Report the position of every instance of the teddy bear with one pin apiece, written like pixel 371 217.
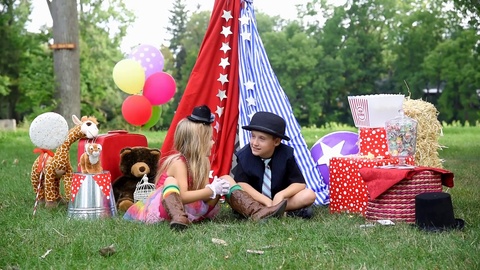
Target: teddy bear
pixel 135 162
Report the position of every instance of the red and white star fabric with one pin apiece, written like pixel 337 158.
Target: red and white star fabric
pixel 233 77
pixel 214 82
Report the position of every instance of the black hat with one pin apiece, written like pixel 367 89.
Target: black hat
pixel 434 212
pixel 269 123
pixel 202 114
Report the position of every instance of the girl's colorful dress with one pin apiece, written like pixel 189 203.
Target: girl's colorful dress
pixel 151 210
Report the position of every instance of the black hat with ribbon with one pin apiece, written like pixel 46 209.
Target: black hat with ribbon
pixel 434 212
pixel 202 114
pixel 269 123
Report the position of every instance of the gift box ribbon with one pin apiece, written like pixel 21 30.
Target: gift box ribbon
pixel 379 180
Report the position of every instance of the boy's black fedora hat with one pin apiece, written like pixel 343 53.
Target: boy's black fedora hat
pixel 202 114
pixel 434 212
pixel 269 123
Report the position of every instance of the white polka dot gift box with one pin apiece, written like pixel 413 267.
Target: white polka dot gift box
pixel 373 141
pixel 348 191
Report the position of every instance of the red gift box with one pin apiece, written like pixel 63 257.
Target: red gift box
pixel 373 141
pixel 112 143
pixel 348 192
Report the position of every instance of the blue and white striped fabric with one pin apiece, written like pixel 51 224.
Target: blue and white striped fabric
pixel 260 90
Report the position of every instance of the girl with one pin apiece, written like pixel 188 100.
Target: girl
pixel 183 193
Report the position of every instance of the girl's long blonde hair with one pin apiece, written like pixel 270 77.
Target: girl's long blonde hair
pixel 192 140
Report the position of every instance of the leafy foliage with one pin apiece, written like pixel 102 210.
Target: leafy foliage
pixel 328 53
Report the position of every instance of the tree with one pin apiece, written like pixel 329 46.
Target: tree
pixel 470 8
pixel 100 44
pixel 13 44
pixel 66 61
pixel 457 62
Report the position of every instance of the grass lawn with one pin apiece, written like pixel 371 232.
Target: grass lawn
pixel 329 241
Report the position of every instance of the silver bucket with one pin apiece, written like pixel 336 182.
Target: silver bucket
pixel 90 202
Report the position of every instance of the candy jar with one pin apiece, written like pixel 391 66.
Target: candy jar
pixel 401 137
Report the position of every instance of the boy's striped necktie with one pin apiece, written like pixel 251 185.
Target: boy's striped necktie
pixel 267 179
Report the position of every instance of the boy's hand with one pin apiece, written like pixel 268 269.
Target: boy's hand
pixel 278 198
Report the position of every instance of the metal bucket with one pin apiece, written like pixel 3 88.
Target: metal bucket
pixel 89 200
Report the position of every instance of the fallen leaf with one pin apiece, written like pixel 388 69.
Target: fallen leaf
pixel 259 252
pixel 107 251
pixel 45 255
pixel 219 241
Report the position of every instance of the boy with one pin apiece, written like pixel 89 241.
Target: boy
pixel 284 178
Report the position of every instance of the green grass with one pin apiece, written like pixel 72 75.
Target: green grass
pixel 329 241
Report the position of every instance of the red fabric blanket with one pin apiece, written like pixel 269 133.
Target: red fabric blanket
pixel 379 180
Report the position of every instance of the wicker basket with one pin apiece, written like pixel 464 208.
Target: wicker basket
pixel 143 189
pixel 398 202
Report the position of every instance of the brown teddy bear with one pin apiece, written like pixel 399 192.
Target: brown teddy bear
pixel 135 162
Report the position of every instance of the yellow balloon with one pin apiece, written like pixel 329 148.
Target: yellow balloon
pixel 129 76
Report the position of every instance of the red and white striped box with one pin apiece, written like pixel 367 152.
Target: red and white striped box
pixel 348 191
pixel 374 110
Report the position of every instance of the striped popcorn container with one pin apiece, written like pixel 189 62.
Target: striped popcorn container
pixel 372 111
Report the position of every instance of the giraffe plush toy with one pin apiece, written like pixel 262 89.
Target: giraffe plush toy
pixel 54 168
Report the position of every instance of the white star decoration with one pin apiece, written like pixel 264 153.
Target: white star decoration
pixel 225 47
pixel 224 63
pixel 217 126
pixel 227 15
pixel 244 19
pixel 246 35
pixel 329 152
pixel 223 78
pixel 226 31
pixel 249 85
pixel 251 101
pixel 219 111
pixel 221 94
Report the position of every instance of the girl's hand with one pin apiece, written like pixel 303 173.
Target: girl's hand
pixel 219 186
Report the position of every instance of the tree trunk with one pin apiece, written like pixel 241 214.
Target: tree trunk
pixel 66 62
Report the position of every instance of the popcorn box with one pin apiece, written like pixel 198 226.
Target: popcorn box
pixel 373 141
pixel 348 191
pixel 374 110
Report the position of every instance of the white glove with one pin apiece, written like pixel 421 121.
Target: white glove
pixel 219 186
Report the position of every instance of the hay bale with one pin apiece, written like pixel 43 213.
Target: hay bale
pixel 429 130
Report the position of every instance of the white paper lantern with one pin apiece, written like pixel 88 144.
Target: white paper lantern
pixel 48 130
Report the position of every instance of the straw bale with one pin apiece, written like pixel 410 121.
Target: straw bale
pixel 429 130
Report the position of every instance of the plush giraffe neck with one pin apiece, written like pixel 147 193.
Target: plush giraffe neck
pixel 74 134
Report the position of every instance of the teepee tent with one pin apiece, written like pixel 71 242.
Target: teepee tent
pixel 234 78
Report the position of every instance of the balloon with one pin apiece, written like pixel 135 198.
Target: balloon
pixel 48 130
pixel 335 144
pixel 159 88
pixel 149 57
pixel 129 76
pixel 136 110
pixel 156 113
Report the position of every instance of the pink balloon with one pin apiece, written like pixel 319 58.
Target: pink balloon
pixel 159 88
pixel 136 110
pixel 149 57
